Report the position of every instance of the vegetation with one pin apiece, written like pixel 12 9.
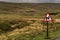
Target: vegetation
pixel 5 26
pixel 22 24
pixel 21 21
pixel 29 10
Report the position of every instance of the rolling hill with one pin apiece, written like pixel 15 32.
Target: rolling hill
pixel 28 8
pixel 16 24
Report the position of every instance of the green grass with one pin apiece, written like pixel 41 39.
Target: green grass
pixel 40 36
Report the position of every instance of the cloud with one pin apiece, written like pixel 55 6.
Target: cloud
pixel 34 1
pixel 20 0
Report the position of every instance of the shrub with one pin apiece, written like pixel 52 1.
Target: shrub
pixel 5 26
pixel 13 22
pixel 22 24
pixel 33 21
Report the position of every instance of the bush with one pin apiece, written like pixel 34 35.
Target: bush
pixel 33 21
pixel 5 26
pixel 13 22
pixel 22 24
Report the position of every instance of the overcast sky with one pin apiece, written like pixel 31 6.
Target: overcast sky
pixel 34 1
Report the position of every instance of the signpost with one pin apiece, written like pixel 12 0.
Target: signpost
pixel 47 19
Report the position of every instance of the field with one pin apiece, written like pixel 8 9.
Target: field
pixel 22 21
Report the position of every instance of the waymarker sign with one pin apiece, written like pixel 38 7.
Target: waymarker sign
pixel 47 19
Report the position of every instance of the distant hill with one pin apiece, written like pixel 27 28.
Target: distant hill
pixel 28 8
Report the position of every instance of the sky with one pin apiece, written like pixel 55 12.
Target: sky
pixel 33 1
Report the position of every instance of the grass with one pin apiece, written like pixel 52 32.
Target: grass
pixel 52 35
pixel 29 10
pixel 17 11
pixel 41 36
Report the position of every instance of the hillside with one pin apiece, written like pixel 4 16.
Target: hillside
pixel 23 21
pixel 30 9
